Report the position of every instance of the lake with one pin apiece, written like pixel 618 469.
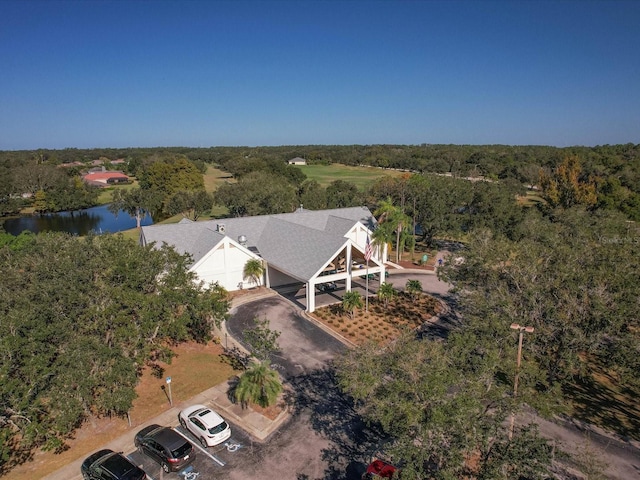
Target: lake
pixel 80 222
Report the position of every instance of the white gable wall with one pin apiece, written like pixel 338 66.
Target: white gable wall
pixel 358 234
pixel 225 264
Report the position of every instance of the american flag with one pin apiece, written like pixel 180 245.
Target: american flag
pixel 368 250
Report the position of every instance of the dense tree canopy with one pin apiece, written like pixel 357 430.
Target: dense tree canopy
pixel 171 176
pixel 312 196
pixel 78 319
pixel 572 276
pixel 258 193
pixel 442 410
pixel 341 193
pixel 567 186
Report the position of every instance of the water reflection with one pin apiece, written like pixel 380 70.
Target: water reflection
pixel 80 222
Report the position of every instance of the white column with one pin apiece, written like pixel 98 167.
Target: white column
pixel 348 260
pixel 311 297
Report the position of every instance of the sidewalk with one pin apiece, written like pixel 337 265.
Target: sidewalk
pixel 254 423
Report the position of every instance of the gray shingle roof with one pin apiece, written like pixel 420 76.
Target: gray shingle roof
pixel 194 238
pixel 297 243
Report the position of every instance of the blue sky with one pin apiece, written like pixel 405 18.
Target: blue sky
pixel 89 74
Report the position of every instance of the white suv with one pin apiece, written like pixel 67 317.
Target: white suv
pixel 205 424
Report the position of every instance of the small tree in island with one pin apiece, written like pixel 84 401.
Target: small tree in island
pixel 386 293
pixel 260 384
pixel 253 270
pixel 413 288
pixel 350 301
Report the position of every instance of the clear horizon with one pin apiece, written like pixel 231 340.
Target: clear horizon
pixel 140 74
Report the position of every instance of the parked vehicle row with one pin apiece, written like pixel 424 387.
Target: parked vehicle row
pixel 171 450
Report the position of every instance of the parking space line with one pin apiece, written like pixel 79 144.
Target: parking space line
pixel 195 444
pixel 135 463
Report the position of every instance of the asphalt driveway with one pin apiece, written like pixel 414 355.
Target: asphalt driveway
pixel 323 425
pixel 304 346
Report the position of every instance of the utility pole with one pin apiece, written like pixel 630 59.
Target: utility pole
pixel 521 330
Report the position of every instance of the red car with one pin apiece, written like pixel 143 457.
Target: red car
pixel 379 469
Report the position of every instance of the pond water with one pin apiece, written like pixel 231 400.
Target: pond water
pixel 80 222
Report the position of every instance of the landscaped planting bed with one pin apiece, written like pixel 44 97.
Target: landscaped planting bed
pixel 380 324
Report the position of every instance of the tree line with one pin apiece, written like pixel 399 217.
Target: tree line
pixel 614 169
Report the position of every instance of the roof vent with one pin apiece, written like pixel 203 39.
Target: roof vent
pixel 242 240
pixel 221 228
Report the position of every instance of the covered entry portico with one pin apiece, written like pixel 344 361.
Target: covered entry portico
pixel 347 264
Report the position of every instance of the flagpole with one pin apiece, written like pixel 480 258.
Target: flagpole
pixel 367 257
pixel 366 282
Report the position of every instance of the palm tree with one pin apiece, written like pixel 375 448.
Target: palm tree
pixel 395 218
pixel 413 288
pixel 381 237
pixel 253 270
pixel 260 385
pixel 385 293
pixel 350 301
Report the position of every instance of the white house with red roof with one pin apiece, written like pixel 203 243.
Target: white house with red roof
pixel 105 178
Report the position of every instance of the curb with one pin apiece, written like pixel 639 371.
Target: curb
pixel 400 271
pixel 333 333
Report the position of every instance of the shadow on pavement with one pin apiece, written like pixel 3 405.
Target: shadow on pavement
pixel 332 414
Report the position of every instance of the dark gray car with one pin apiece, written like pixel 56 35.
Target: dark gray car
pixel 166 446
pixel 109 465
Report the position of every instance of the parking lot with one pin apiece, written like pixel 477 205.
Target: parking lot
pixel 209 463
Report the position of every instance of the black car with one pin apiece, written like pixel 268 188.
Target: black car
pixel 166 446
pixel 109 465
pixel 327 287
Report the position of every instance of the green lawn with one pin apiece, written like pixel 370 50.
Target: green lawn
pixel 530 199
pixel 361 176
pixel 106 194
pixel 214 177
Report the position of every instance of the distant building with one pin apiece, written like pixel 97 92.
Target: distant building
pixel 104 178
pixel 70 165
pixel 297 161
